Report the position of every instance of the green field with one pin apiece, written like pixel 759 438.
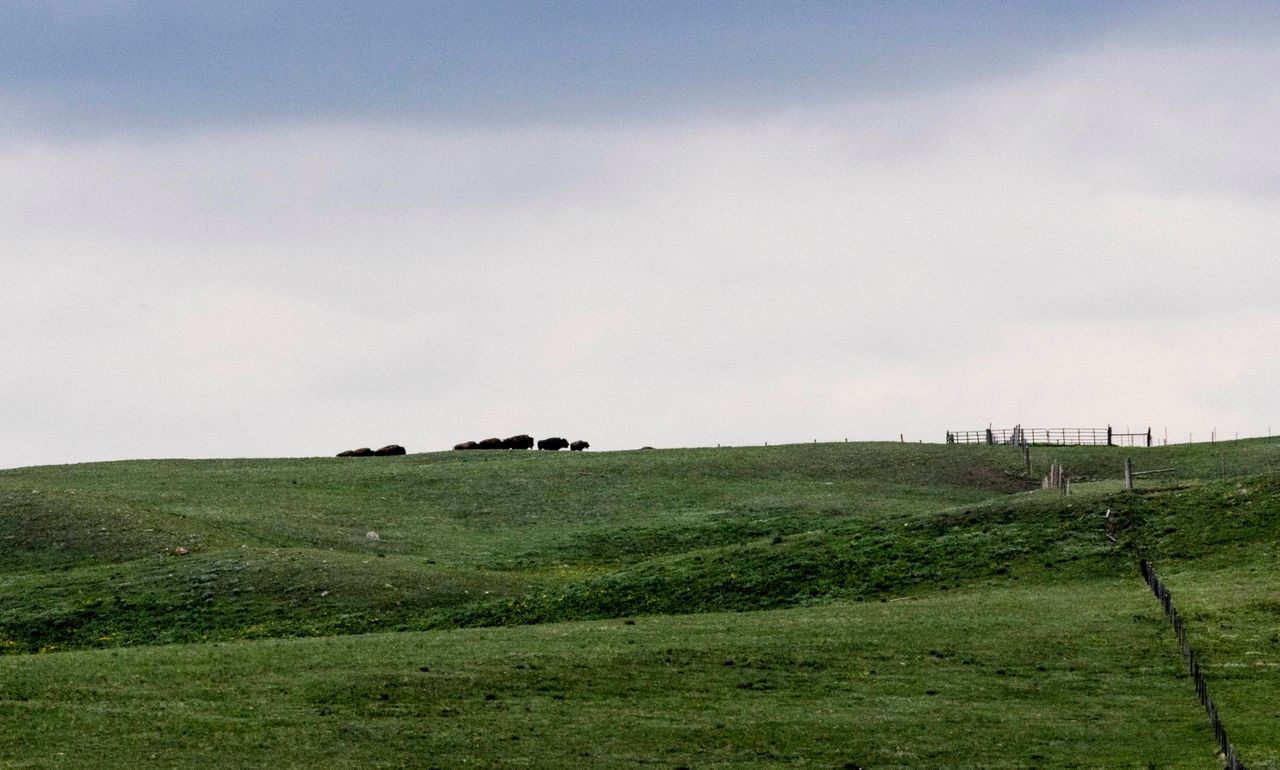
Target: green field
pixel 825 605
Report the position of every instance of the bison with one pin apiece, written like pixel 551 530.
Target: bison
pixel 578 446
pixel 389 450
pixel 491 443
pixel 466 445
pixel 523 441
pixel 553 444
pixel 361 452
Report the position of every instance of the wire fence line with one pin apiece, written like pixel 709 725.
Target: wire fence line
pixel 1189 658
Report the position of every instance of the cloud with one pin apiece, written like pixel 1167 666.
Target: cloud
pixel 1043 248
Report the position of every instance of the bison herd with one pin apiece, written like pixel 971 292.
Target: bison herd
pixel 386 451
pixel 524 441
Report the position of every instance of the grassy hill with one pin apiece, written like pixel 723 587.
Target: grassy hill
pixel 826 605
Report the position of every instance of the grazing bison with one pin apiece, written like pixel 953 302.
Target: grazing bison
pixel 491 443
pixel 466 445
pixel 578 446
pixel 361 452
pixel 553 444
pixel 389 450
pixel 523 441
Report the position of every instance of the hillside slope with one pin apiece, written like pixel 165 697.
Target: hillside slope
pixel 283 547
pixel 895 606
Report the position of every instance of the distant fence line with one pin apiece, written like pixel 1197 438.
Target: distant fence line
pixel 1020 436
pixel 1193 665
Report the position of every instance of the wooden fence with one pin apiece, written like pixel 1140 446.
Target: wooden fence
pixel 1020 436
pixel 1193 665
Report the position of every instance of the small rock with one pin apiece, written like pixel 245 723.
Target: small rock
pixel 371 535
pixel 180 551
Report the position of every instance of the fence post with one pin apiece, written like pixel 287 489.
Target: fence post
pixel 990 440
pixel 1148 435
pixel 1109 436
pixel 1128 473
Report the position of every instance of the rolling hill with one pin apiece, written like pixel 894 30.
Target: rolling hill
pixel 825 605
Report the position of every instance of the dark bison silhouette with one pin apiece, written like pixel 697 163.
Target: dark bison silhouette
pixel 389 450
pixel 361 452
pixel 553 444
pixel 523 441
pixel 491 443
pixel 578 446
pixel 467 445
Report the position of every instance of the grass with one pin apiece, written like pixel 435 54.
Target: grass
pixel 280 547
pixel 702 607
pixel 1085 678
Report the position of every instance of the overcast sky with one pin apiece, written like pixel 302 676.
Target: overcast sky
pixel 288 229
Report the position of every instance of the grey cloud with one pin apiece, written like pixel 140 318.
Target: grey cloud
pixel 862 270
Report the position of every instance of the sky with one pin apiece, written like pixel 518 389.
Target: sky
pixel 256 229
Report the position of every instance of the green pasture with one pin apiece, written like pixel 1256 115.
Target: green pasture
pixel 1075 675
pixel 824 605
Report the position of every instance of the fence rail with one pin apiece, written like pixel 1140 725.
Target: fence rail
pixel 1193 665
pixel 1020 436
